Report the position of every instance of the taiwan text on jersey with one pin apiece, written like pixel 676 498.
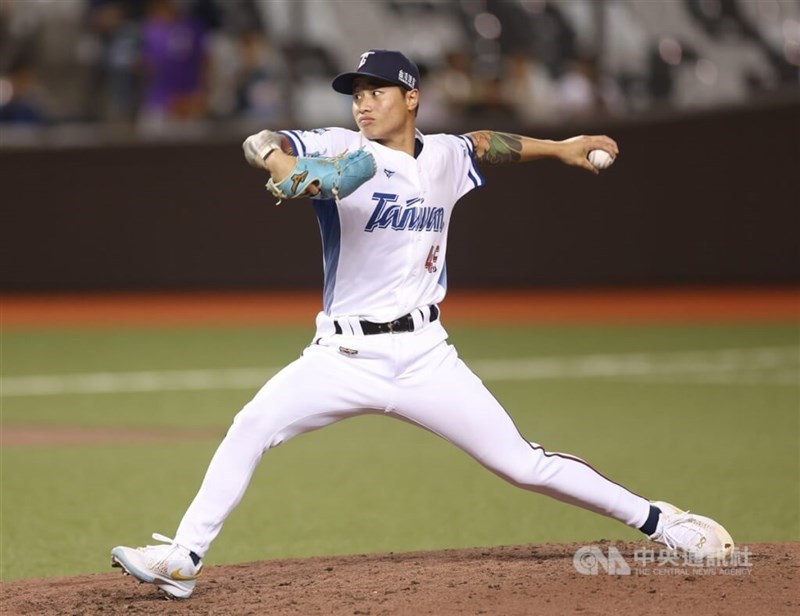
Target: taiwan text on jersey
pixel 384 245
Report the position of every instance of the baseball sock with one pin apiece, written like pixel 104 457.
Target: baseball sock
pixel 195 558
pixel 649 527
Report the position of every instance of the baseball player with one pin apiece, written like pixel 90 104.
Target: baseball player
pixel 383 196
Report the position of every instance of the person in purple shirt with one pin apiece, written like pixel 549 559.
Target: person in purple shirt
pixel 175 60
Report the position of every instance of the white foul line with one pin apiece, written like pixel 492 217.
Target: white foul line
pixel 753 366
pixel 131 382
pixel 766 363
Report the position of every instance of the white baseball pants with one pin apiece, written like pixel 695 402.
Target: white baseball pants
pixel 414 376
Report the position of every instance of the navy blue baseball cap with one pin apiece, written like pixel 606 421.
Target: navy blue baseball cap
pixel 383 64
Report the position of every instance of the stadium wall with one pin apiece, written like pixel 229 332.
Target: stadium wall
pixel 707 199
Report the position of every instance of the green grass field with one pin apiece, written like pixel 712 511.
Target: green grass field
pixel 707 417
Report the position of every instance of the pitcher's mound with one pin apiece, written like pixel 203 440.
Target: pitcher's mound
pixel 531 579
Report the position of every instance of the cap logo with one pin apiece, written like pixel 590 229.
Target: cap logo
pixel 364 57
pixel 407 79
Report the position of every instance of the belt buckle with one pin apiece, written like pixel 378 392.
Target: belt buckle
pixel 397 325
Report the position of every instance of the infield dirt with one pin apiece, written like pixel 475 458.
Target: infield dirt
pixel 512 580
pixel 510 307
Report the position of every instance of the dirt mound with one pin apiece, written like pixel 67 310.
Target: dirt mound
pixel 533 579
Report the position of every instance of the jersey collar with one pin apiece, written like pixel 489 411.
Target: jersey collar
pixel 419 143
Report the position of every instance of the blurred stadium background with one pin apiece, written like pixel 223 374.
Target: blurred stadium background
pixel 113 68
pixel 121 120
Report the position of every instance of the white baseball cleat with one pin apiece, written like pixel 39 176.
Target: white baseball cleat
pixel 697 536
pixel 170 567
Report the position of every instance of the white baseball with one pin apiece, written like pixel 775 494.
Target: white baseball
pixel 600 159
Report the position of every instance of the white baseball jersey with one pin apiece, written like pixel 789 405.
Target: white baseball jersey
pixel 384 248
pixel 384 245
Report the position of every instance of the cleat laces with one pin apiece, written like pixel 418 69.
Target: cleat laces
pixel 160 553
pixel 668 537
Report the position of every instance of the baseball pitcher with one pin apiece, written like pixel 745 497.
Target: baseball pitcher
pixel 383 196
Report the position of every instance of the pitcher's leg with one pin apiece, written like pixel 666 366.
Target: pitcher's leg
pixel 306 395
pixel 457 406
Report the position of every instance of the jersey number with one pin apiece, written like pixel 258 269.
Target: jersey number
pixel 433 257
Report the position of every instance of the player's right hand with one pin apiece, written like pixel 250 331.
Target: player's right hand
pixel 257 147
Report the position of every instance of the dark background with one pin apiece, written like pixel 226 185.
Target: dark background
pixel 699 200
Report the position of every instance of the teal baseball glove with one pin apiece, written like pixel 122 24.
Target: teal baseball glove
pixel 335 177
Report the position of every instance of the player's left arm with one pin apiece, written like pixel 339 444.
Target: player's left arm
pixel 293 177
pixel 272 152
pixel 496 148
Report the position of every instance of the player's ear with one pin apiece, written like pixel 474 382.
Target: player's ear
pixel 412 99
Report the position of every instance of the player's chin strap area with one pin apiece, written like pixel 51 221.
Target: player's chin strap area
pixel 407 323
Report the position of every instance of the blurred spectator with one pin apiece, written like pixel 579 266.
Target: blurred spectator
pixel 19 84
pixel 247 76
pixel 434 112
pixel 211 13
pixel 539 98
pixel 515 34
pixel 310 65
pixel 20 96
pixel 259 90
pixel 578 90
pixel 491 105
pixel 48 36
pixel 175 65
pixel 553 38
pixel 455 80
pixel 116 25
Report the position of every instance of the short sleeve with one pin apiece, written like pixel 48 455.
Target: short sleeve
pixel 466 170
pixel 319 141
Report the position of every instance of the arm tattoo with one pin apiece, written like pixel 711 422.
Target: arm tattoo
pixel 493 148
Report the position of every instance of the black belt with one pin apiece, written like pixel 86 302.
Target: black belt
pixel 399 325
